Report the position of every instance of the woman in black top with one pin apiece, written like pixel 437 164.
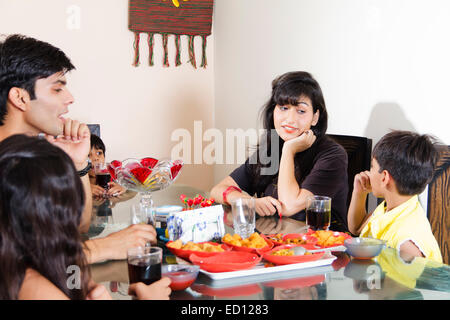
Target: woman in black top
pixel 295 159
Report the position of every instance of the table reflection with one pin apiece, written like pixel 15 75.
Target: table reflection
pixel 385 277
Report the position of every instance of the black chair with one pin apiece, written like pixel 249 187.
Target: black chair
pixel 359 152
pixel 95 129
pixel 439 203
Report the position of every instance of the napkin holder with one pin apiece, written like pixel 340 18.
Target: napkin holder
pixel 198 225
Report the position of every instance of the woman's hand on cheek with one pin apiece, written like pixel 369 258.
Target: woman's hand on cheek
pixel 300 143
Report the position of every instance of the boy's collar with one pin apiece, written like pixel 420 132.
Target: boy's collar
pixel 401 206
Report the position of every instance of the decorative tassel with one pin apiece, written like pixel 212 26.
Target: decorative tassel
pixel 165 37
pixel 204 63
pixel 192 52
pixel 136 49
pixel 177 45
pixel 150 48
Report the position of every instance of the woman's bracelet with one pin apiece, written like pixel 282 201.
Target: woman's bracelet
pixel 227 191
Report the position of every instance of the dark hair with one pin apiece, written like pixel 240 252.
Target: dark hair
pixel 24 60
pixel 41 204
pixel 286 90
pixel 410 159
pixel 97 143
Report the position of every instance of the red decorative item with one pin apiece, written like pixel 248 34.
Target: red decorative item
pixel 226 262
pixel 141 174
pixel 112 167
pixel 175 169
pixel 282 260
pixel 149 162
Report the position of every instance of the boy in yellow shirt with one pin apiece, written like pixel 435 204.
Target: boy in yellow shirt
pixel 402 165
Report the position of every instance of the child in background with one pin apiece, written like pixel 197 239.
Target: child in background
pixel 97 156
pixel 402 165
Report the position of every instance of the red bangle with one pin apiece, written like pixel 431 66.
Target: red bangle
pixel 227 191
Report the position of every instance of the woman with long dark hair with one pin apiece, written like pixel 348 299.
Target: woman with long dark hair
pixel 41 205
pixel 303 161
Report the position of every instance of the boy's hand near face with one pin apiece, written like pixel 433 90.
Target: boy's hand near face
pixel 361 184
pixel 357 214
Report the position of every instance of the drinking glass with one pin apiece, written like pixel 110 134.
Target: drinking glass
pixel 102 175
pixel 140 214
pixel 243 212
pixel 318 212
pixel 144 264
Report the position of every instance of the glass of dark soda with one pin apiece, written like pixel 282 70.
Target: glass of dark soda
pixel 144 264
pixel 102 175
pixel 318 212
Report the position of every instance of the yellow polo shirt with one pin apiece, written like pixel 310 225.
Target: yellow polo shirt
pixel 407 221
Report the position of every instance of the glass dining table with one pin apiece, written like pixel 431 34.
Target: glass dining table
pixel 385 277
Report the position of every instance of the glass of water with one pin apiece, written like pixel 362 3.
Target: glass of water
pixel 243 212
pixel 140 214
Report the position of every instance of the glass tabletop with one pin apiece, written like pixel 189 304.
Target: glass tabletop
pixel 385 277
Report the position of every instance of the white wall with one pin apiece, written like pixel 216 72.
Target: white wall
pixel 382 64
pixel 137 108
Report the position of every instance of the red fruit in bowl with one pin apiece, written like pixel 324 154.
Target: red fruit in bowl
pixel 140 173
pixel 175 169
pixel 149 162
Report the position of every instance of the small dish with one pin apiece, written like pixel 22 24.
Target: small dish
pixel 227 261
pixel 290 238
pixel 269 246
pixel 182 276
pixel 364 248
pixel 282 260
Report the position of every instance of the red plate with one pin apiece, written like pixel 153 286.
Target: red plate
pixel 297 282
pixel 246 290
pixel 184 254
pixel 282 260
pixel 309 239
pixel 276 243
pixel 227 261
pixel 335 234
pixel 253 250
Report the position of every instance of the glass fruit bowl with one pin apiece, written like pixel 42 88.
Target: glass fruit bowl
pixel 145 175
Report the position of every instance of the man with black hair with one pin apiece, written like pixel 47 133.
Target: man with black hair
pixel 34 99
